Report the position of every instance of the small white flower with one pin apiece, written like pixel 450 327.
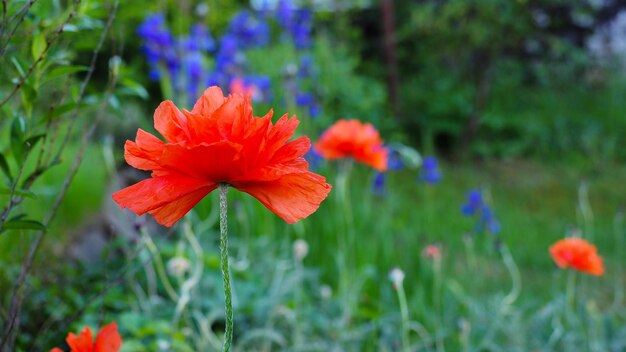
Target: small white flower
pixel 178 266
pixel 202 9
pixel 396 275
pixel 300 249
pixel 326 292
pixel 163 345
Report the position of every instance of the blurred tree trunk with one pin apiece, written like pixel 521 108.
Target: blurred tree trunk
pixel 389 44
pixel 482 82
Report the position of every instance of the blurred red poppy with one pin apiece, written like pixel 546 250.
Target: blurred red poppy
pixel 220 141
pixel 108 340
pixel 351 138
pixel 577 254
pixel 238 86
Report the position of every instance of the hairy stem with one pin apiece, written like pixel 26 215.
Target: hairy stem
pixel 404 314
pixel 228 333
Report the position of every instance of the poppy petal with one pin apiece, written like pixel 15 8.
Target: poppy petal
pixel 108 339
pixel 292 197
pixel 230 114
pixel 56 349
pixel 217 161
pixel 170 122
pixel 156 192
pixel 292 150
pixel 144 152
pixel 211 99
pixel 170 213
pixel 280 133
pixel 81 343
pixel 273 172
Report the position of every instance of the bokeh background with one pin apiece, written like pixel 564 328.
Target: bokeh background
pixel 506 126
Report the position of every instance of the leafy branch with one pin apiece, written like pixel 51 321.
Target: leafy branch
pixel 17 293
pixel 53 38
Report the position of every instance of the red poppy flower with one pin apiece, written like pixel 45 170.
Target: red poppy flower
pixel 432 252
pixel 578 254
pixel 220 141
pixel 108 340
pixel 238 86
pixel 351 138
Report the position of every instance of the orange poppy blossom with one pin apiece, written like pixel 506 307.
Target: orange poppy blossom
pixel 107 340
pixel 578 254
pixel 220 142
pixel 351 138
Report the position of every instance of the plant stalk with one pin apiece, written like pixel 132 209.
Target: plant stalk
pixel 228 333
pixel 404 314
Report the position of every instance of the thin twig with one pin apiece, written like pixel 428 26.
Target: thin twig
pixel 53 38
pixel 25 10
pixel 16 297
pixel 48 138
pixel 4 18
pixel 47 143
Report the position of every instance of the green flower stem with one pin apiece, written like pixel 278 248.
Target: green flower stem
pixel 618 226
pixel 228 333
pixel 470 252
pixel 570 295
pixel 346 256
pixel 437 292
pixel 343 178
pixel 343 197
pixel 160 268
pixel 516 277
pixel 404 314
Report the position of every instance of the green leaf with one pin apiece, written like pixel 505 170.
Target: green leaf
pixel 114 102
pixel 62 109
pixel 18 127
pixel 8 111
pixel 135 88
pixel 19 192
pixel 30 142
pixel 17 217
pixel 18 66
pixel 64 71
pixel 5 166
pixel 26 224
pixel 68 27
pixel 29 95
pixel 38 46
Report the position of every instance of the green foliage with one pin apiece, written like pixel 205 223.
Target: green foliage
pixel 461 61
pixel 163 288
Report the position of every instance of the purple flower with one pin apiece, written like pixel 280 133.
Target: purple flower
pixel 394 160
pixel 195 73
pixel 474 202
pixel 313 158
pixel 296 22
pixel 314 110
pixel 378 185
pixel 304 99
pixel 199 39
pixel 305 69
pixel 250 31
pixel 158 45
pixel 154 74
pixel 431 173
pixel 476 206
